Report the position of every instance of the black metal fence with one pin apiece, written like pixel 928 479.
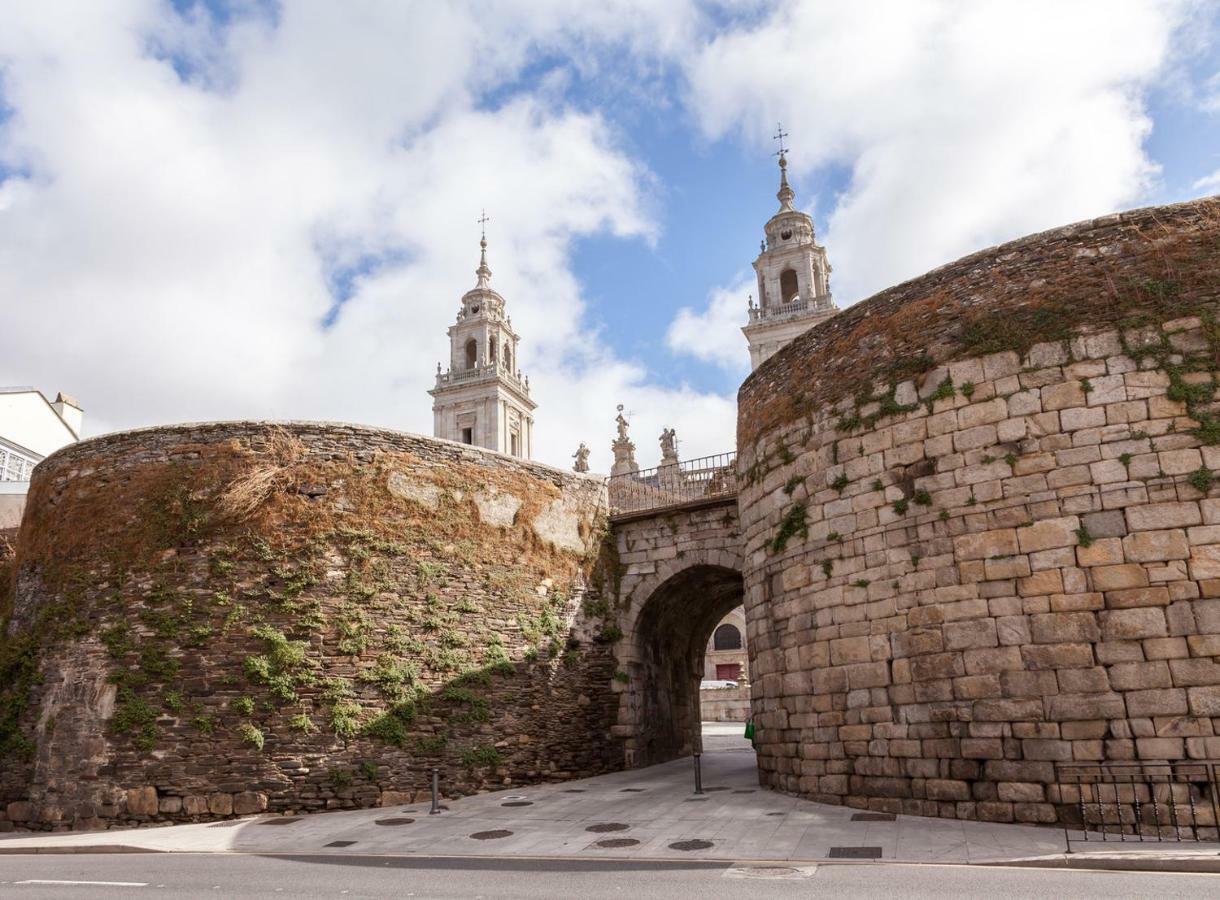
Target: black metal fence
pixel 1140 802
pixel 672 485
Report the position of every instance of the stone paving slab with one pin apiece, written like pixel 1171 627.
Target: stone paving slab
pixel 760 825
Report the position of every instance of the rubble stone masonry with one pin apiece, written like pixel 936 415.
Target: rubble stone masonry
pixel 981 517
pixel 221 619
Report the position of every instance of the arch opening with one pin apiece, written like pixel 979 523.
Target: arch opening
pixel 472 353
pixel 673 631
pixel 789 288
pixel 726 637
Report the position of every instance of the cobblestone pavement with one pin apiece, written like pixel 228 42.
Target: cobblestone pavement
pixel 642 814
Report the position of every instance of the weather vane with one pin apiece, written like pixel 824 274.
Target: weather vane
pixel 483 220
pixel 779 135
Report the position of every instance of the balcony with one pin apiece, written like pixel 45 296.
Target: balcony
pixel 480 374
pixel 791 310
pixel 694 480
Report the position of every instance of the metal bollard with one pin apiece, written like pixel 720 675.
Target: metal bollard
pixel 436 792
pixel 698 775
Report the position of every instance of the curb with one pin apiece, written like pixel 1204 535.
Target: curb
pixel 75 848
pixel 1199 865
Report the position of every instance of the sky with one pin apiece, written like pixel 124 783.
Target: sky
pixel 254 209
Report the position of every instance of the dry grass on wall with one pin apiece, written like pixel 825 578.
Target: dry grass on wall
pixel 257 597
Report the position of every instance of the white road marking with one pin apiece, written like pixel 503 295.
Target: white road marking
pixel 90 883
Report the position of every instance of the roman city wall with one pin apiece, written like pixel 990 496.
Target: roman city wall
pixel 981 518
pixel 213 620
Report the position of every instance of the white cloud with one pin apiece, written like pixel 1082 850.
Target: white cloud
pixel 714 335
pixel 962 124
pixel 168 256
pixel 1208 182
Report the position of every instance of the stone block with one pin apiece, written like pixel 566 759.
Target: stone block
pixel 992 660
pixel 1105 524
pixel 985 544
pixel 1006 567
pixel 1194 672
pixel 1058 628
pixel 1132 624
pixel 1112 578
pixel 1048 534
pixel 195 805
pixel 248 802
pixel 1160 748
pixel 142 801
pixel 1134 676
pixel 1157 702
pixel 969 634
pixel 1205 562
pixel 1057 656
pixel 1013 630
pixel 1065 395
pixel 1011 710
pixel 1149 596
pixel 1102 552
pixel 1157 516
pixel 1156 546
pixel 1085 706
pixel 220 804
pixel 850 650
pixel 1204 701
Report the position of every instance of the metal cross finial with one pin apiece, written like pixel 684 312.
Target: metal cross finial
pixel 779 135
pixel 483 220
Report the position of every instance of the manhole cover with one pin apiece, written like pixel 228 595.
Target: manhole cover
pixel 281 820
pixel 632 790
pixel 854 853
pixel 398 821
pixel 518 803
pixel 696 800
pixel 602 827
pixel 709 790
pixel 874 817
pixel 573 790
pixel 492 835
pixel 690 845
pixel 340 843
pixel 777 814
pixel 614 843
pixel 746 791
pixel 515 797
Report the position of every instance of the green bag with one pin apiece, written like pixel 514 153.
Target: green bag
pixel 750 730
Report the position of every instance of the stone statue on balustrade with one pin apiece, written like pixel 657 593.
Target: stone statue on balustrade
pixel 582 458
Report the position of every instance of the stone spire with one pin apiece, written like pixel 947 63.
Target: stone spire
pixel 483 271
pixel 785 195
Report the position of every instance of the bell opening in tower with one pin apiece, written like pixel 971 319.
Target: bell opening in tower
pixel 788 287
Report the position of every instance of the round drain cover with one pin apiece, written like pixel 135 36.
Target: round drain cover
pixel 709 790
pixel 602 827
pixel 518 803
pixel 613 843
pixel 777 814
pixel 398 821
pixel 690 845
pixel 747 791
pixel 491 835
pixel 573 790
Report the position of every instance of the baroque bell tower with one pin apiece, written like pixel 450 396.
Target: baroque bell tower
pixel 482 399
pixel 793 276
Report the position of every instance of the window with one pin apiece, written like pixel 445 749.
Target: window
pixel 727 637
pixel 508 358
pixel 14 466
pixel 467 435
pixel 728 671
pixel 514 445
pixel 788 288
pixel 491 350
pixel 472 353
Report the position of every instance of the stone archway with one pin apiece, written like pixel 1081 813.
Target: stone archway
pixel 676 611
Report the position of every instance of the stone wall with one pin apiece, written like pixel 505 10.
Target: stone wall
pixel 982 527
pixel 220 619
pixel 725 704
pixel 679 575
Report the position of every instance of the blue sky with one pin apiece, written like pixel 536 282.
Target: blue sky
pixel 257 209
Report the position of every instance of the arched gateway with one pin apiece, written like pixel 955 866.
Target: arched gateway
pixel 681 576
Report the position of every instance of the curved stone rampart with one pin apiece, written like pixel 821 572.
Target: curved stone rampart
pixel 980 511
pixel 217 619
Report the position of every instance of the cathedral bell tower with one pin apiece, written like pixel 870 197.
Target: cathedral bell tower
pixel 482 399
pixel 793 276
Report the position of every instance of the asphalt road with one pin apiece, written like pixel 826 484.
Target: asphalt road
pixel 202 875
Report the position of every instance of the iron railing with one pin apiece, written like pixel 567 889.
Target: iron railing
pixel 1140 802
pixel 672 485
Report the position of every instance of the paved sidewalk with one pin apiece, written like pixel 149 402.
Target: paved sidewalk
pixel 642 814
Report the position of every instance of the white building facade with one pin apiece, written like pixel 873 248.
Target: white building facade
pixel 793 279
pixel 31 429
pixel 482 399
